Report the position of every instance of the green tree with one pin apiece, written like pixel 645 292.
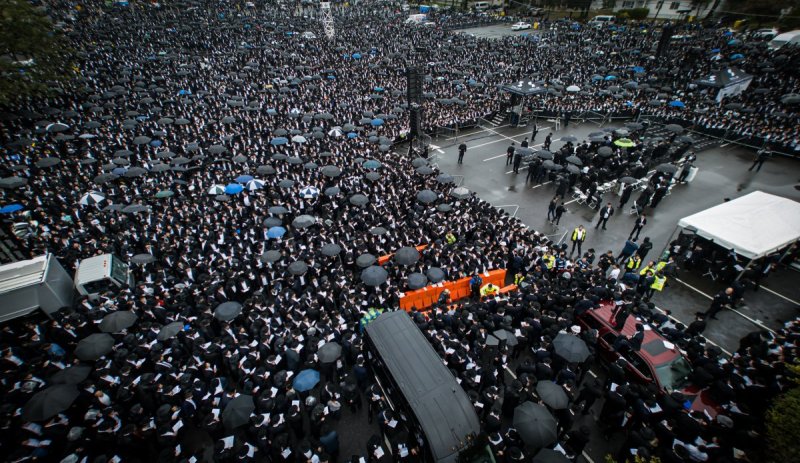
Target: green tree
pixel 783 422
pixel 32 53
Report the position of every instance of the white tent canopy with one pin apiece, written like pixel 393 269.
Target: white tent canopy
pixel 754 225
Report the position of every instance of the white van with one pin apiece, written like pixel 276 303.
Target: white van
pixel 417 18
pixel 99 273
pixel 481 6
pixel 791 38
pixel 602 21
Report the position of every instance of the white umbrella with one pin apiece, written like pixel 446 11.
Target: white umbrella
pixel 216 190
pixel 573 89
pixel 255 184
pixel 92 197
pixel 299 139
pixel 309 192
pixel 335 132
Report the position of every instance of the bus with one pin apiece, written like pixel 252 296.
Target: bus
pixel 423 392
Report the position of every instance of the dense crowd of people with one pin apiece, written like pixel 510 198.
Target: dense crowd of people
pixel 264 168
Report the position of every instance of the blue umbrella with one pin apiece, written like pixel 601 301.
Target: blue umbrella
pixel 233 188
pixel 715 50
pixel 637 69
pixel 734 42
pixel 243 178
pixel 736 56
pixel 677 104
pixel 377 122
pixel 276 232
pixel 272 112
pixel 728 33
pixel 277 141
pixel 611 78
pixel 11 208
pixel 331 77
pixel 352 135
pixel 119 171
pixel 372 164
pixel 597 78
pixel 356 55
pixel 155 143
pixel 377 89
pixel 306 380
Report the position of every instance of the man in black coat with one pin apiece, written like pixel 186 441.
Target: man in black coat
pixel 605 213
pixel 510 153
pixel 517 162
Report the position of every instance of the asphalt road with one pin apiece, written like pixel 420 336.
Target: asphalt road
pixel 723 174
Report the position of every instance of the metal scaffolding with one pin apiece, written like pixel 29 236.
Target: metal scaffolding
pixel 327 19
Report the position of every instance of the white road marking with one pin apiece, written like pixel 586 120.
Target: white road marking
pixel 479 131
pixel 750 319
pixel 780 295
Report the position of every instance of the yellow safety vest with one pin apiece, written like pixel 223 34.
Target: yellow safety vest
pixel 518 279
pixel 658 283
pixel 660 265
pixel 633 263
pixel 576 233
pixel 489 289
pixel 549 261
pixel 450 238
pixel 646 269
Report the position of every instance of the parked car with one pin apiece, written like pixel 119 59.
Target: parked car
pixel 520 26
pixel 769 33
pixel 658 361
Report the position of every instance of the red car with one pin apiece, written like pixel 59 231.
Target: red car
pixel 658 361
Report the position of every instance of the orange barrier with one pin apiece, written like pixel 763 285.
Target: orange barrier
pixel 425 297
pixel 508 289
pixel 383 259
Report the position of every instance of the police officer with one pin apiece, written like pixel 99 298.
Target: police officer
pixel 658 285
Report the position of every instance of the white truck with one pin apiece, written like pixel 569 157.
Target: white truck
pixel 99 273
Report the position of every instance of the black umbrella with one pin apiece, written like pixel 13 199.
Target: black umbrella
pixel 445 178
pixel 142 140
pixel 374 275
pixel 331 171
pixel 406 256
pixel 419 162
pixel 552 395
pixel 573 169
pixel 117 321
pixel 329 352
pixel 667 168
pixel 304 221
pixel 570 348
pixel 16 182
pixel 271 256
pixel 237 412
pixel 170 330
pixel 492 341
pixel 435 274
pixel 227 311
pixel 444 207
pixel 424 170
pixel 71 375
pixel 265 170
pixel 277 210
pixel 332 191
pixel 674 128
pixel 331 249
pixel 417 281
pixel 94 346
pixel 47 162
pixel 550 456
pixel 574 160
pixel 373 176
pixel 507 336
pixel 535 425
pixel 358 200
pixel 143 259
pixel 270 222
pixel 605 151
pixel 569 138
pixel 544 155
pixel 298 268
pixel 365 260
pixel 378 231
pixel 627 180
pixel 427 196
pixel 49 402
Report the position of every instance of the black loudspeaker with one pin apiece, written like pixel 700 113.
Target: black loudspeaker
pixel 415 78
pixel 415 119
pixel 663 44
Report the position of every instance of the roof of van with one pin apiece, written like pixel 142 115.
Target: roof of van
pixel 786 36
pixel 21 274
pixel 94 268
pixel 443 409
